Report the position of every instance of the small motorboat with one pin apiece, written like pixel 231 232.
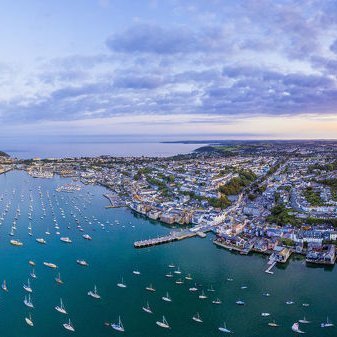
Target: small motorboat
pixel 296 328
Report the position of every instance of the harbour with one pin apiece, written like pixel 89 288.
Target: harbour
pixel 111 256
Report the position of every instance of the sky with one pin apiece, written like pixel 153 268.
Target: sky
pixel 169 69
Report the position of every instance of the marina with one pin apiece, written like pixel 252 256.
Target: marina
pixel 200 295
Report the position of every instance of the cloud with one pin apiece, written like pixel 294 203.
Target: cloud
pixel 150 38
pixel 256 58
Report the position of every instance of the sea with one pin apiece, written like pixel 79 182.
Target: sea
pixel 61 147
pixel 112 257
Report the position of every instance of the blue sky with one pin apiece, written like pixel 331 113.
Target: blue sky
pixel 169 68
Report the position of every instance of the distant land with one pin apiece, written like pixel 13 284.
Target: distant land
pixel 248 147
pixel 3 154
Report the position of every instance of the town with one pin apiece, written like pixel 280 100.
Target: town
pixel 275 198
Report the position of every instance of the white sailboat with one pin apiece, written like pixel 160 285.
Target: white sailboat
pixel 4 286
pixel 94 293
pixel 327 324
pixel 217 301
pixel 150 288
pixel 167 298
pixel 29 320
pixel 28 302
pixel 60 308
pixel 163 323
pixel 27 287
pixel 118 326
pixel 202 296
pixel 58 279
pixel 197 318
pixel 147 308
pixel 32 274
pixel 224 329
pixel 303 321
pixel 273 324
pixel 169 275
pixel 121 284
pixel 69 326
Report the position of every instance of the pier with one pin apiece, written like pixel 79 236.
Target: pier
pixel 268 270
pixel 175 236
pixel 115 201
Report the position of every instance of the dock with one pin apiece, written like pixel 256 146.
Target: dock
pixel 115 201
pixel 268 270
pixel 175 236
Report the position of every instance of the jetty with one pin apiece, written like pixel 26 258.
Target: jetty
pixel 268 270
pixel 115 201
pixel 174 236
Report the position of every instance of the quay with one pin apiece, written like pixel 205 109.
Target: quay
pixel 154 242
pixel 175 236
pixel 115 201
pixel 268 270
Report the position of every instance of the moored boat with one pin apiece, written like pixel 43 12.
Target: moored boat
pixel 163 323
pixel 224 329
pixel 69 326
pixel 296 328
pixel 197 318
pixel 29 320
pixel 94 293
pixel 60 308
pixel 50 265
pixel 118 326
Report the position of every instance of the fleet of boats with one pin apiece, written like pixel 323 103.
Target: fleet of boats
pixel 174 273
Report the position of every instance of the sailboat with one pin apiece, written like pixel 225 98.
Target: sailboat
pixel 202 296
pixel 177 271
pixel 163 323
pixel 121 284
pixel 69 326
pixel 136 272
pixel 273 324
pixel 4 286
pixel 224 329
pixel 327 324
pixel 94 293
pixel 211 289
pixel 150 288
pixel 167 298
pixel 60 308
pixel 147 308
pixel 58 279
pixel 29 320
pixel 118 326
pixel 217 301
pixel 197 318
pixel 188 277
pixel 27 287
pixel 193 288
pixel 180 281
pixel 32 274
pixel 169 275
pixel 303 321
pixel 28 302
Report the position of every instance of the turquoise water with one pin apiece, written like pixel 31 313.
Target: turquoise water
pixel 111 256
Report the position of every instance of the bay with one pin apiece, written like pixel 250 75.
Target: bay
pixel 111 256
